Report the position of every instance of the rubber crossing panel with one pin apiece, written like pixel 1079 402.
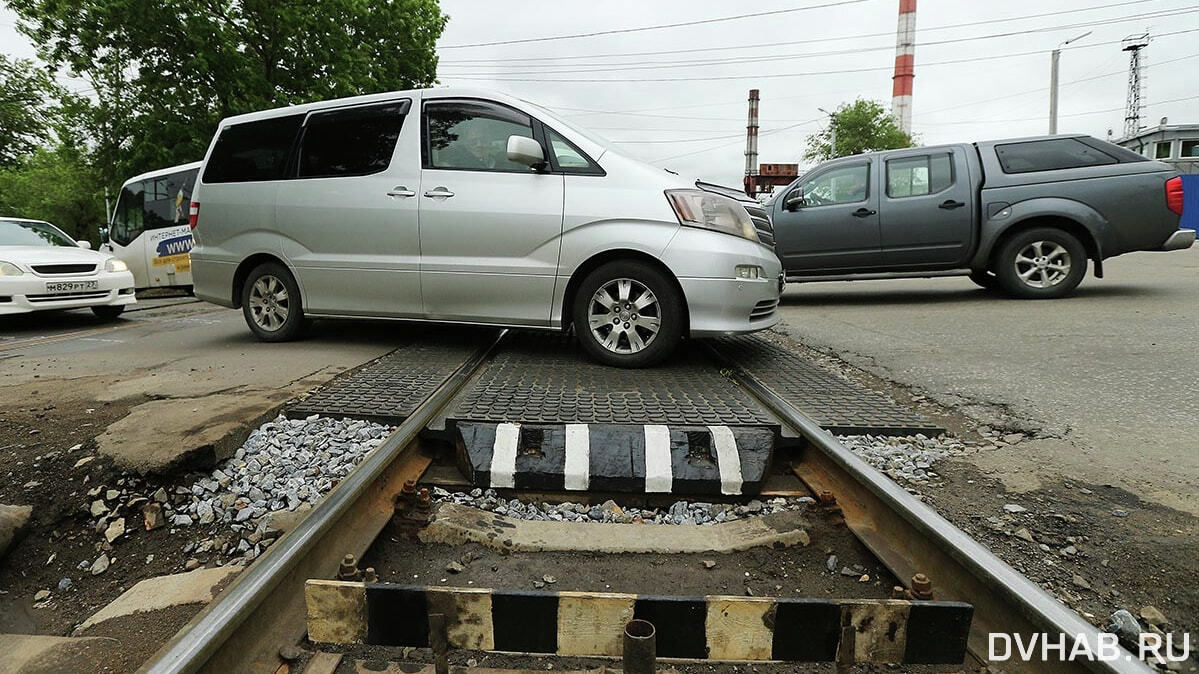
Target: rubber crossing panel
pixel 591 624
pixel 837 404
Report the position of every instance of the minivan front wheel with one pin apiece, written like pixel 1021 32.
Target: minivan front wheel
pixel 1041 263
pixel 270 302
pixel 628 314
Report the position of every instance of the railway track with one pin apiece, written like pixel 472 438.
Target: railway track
pixel 265 612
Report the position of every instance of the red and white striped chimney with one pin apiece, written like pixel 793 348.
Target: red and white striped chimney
pixel 905 65
pixel 751 144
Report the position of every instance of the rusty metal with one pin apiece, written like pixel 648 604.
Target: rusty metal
pixel 439 641
pixel 922 587
pixel 369 576
pixel 847 646
pixel 640 647
pixel 826 497
pixel 407 495
pixel 348 569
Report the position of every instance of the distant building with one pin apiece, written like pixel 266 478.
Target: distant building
pixel 1176 144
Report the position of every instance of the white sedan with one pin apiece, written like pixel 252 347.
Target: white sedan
pixel 42 268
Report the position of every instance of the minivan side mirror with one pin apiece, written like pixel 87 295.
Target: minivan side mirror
pixel 525 150
pixel 85 244
pixel 794 200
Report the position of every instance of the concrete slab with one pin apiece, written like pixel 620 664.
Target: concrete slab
pixel 455 524
pixel 35 654
pixel 13 520
pixel 154 594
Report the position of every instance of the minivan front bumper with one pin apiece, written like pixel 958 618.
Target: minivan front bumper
pixel 719 303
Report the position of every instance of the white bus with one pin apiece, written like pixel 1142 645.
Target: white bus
pixel 149 229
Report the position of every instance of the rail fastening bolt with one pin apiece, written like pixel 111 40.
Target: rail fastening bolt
pixel 826 497
pixel 369 576
pixel 348 570
pixel 922 587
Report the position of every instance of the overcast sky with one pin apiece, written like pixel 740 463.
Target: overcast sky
pixel 691 117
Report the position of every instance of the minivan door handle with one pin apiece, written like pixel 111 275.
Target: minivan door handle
pixel 863 213
pixel 401 191
pixel 439 192
pixel 950 204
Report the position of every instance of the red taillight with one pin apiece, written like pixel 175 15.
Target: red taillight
pixel 193 214
pixel 1174 195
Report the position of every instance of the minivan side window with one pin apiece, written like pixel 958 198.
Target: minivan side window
pixel 351 142
pixel 472 136
pixel 1049 155
pixel 568 158
pixel 841 185
pixel 919 176
pixel 253 151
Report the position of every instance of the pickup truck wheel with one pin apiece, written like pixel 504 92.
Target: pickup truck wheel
pixel 270 303
pixel 1041 263
pixel 985 279
pixel 628 314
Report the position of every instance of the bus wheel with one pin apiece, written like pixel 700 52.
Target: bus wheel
pixel 270 302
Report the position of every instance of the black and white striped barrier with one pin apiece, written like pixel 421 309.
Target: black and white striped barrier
pixel 728 460
pixel 592 624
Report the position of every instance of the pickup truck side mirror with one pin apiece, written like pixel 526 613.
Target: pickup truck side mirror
pixel 793 201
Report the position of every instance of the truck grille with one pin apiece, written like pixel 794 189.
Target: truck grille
pixel 763 309
pixel 762 223
pixel 50 269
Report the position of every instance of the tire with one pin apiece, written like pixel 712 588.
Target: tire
pixel 636 343
pixel 1041 264
pixel 984 279
pixel 108 313
pixel 270 303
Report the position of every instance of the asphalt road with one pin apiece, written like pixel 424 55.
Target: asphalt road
pixel 1113 371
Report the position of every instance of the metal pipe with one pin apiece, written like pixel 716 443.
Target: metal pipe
pixel 640 647
pixel 192 647
pixel 1029 600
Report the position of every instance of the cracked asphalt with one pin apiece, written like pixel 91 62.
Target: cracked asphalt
pixel 1107 377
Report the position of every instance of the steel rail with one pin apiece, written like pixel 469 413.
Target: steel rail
pixel 988 580
pixel 194 645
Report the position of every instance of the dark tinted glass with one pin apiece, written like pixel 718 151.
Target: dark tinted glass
pixel 167 199
pixel 472 136
pixel 128 219
pixel 918 176
pixel 253 151
pixel 354 142
pixel 1049 155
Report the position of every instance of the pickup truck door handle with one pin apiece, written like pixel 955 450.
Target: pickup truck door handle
pixel 950 204
pixel 863 213
pixel 439 192
pixel 401 191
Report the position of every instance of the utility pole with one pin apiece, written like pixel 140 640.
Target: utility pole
pixel 1054 57
pixel 1133 44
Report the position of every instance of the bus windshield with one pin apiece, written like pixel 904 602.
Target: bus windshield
pixel 149 230
pixel 154 203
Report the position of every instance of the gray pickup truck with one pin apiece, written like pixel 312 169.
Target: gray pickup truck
pixel 1021 215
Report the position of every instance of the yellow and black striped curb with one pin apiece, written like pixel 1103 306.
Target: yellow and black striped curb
pixel 592 624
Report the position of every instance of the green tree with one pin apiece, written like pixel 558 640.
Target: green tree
pixel 27 108
pixel 164 72
pixel 861 126
pixel 58 186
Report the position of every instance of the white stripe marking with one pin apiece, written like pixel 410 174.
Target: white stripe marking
pixel 503 456
pixel 657 459
pixel 577 468
pixel 728 459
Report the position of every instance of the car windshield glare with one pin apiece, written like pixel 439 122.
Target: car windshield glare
pixel 26 233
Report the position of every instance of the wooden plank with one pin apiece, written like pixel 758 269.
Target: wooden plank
pixel 467 613
pixel 740 628
pixel 336 611
pixel 323 663
pixel 593 624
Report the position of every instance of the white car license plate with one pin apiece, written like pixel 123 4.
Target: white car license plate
pixel 71 286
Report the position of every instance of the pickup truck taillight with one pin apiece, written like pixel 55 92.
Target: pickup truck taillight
pixel 193 215
pixel 1174 195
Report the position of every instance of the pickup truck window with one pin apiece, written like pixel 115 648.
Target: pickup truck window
pixel 919 176
pixel 1049 155
pixel 841 185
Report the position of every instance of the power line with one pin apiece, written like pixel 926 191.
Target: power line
pixel 717 147
pixel 641 29
pixel 888 68
pixel 661 65
pixel 758 45
pixel 1042 117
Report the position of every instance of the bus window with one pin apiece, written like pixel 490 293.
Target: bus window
pixel 128 221
pixel 167 199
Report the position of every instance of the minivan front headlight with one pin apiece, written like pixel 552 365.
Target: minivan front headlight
pixel 113 264
pixel 10 269
pixel 697 208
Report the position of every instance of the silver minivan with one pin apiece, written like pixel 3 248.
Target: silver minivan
pixel 463 206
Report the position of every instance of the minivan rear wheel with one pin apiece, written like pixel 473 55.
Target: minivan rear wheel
pixel 1041 263
pixel 628 314
pixel 270 302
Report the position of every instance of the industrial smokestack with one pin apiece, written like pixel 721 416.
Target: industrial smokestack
pixel 905 65
pixel 751 143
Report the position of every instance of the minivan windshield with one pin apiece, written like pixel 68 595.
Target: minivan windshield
pixel 28 233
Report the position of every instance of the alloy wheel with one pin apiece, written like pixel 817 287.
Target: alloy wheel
pixel 269 303
pixel 624 316
pixel 1043 264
